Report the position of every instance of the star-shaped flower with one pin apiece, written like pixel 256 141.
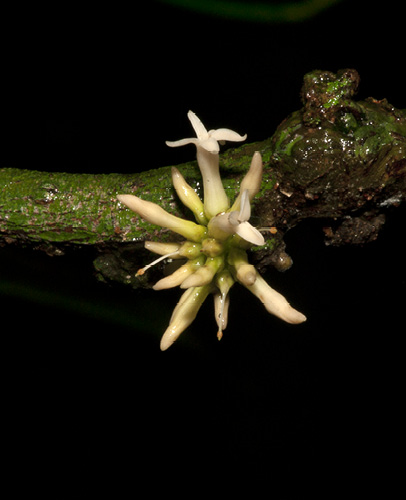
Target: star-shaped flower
pixel 236 222
pixel 207 140
pixel 215 246
pixel 215 198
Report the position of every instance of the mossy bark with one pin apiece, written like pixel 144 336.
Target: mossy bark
pixel 335 158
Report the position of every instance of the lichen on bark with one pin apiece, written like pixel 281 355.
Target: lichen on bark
pixel 336 158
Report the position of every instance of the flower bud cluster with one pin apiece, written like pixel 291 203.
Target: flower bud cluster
pixel 215 245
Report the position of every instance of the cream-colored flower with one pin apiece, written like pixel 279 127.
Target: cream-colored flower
pixel 236 222
pixel 206 142
pixel 215 246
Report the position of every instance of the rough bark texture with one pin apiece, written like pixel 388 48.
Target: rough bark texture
pixel 336 158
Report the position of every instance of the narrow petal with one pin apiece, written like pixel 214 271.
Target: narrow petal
pixel 198 126
pixel 249 233
pixel 274 302
pixel 182 142
pixel 156 215
pixel 225 134
pixel 188 196
pixel 186 312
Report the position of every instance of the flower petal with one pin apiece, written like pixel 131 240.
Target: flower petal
pixel 233 218
pixel 220 226
pixel 249 233
pixel 182 142
pixel 198 126
pixel 225 134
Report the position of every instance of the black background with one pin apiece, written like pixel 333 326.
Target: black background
pixel 89 395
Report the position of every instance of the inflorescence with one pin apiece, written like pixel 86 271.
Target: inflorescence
pixel 215 247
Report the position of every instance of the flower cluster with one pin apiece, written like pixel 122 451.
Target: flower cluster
pixel 215 245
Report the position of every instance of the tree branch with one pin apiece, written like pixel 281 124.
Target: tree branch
pixel 336 158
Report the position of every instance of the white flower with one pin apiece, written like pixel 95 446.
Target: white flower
pixel 236 222
pixel 215 247
pixel 206 142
